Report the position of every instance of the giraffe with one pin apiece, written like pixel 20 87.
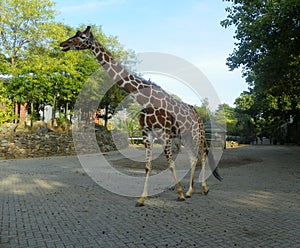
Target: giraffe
pixel 162 116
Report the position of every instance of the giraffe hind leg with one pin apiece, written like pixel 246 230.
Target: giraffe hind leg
pixel 191 145
pixel 171 165
pixel 204 185
pixel 203 151
pixel 141 200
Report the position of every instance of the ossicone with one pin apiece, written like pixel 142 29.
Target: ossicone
pixel 88 29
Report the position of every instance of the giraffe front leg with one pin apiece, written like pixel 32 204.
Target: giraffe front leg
pixel 204 185
pixel 148 167
pixel 177 183
pixel 193 168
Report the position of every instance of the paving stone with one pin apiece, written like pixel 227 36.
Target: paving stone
pixel 46 203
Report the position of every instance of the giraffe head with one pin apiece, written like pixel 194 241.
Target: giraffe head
pixel 80 41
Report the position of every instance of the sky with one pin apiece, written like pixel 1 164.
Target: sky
pixel 187 29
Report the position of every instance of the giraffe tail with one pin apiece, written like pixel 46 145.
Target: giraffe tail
pixel 213 167
pixel 209 155
pixel 217 175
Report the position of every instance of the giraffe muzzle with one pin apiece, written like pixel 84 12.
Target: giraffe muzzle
pixel 65 46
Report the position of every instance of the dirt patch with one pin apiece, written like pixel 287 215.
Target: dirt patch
pixel 231 158
pixel 159 163
pixel 238 156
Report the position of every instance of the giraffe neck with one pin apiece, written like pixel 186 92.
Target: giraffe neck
pixel 117 72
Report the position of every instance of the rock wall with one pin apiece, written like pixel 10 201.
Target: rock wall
pixel 44 143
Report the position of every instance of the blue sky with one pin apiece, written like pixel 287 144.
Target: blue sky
pixel 188 29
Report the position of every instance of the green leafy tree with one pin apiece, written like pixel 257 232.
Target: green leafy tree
pixel 268 50
pixel 24 29
pixel 204 110
pixel 110 101
pixel 128 120
pixel 100 90
pixel 69 73
pixel 247 126
pixel 39 72
pixel 226 114
pixel 6 105
pixel 133 124
pixel 114 95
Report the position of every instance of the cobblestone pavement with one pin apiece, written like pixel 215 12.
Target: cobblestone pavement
pixel 51 202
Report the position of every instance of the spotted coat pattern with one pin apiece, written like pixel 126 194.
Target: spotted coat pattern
pixel 162 116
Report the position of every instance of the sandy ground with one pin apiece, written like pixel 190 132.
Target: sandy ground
pixel 231 157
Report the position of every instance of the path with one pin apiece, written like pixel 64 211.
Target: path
pixel 51 202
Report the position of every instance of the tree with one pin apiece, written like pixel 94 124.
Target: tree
pixel 69 72
pixel 24 27
pixel 110 101
pixel 30 56
pixel 101 92
pixel 203 110
pixel 133 126
pixel 268 50
pixel 247 126
pixel 6 105
pixel 128 118
pixel 226 114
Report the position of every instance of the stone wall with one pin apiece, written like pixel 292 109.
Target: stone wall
pixel 44 143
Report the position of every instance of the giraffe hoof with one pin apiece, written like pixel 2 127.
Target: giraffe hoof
pixel 180 199
pixel 205 190
pixel 189 193
pixel 139 204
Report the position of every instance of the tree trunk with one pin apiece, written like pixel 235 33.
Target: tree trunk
pixel 53 110
pixel 16 111
pixel 31 114
pixel 106 116
pixel 43 117
pixel 66 110
pixel 23 107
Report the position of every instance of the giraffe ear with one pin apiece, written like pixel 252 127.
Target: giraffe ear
pixel 88 32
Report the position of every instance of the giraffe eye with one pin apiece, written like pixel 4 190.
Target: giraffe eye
pixel 83 36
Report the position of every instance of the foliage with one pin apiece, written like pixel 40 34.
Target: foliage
pixel 25 27
pixel 133 125
pixel 268 50
pixel 100 90
pixel 203 110
pixel 129 120
pixel 111 95
pixel 6 106
pixel 238 124
pixel 111 100
pixel 224 110
pixel 31 58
